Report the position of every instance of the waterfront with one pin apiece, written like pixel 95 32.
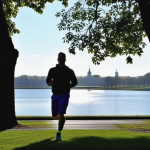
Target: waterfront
pixel 37 102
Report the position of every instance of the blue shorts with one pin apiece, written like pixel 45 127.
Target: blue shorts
pixel 59 104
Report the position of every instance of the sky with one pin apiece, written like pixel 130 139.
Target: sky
pixel 40 41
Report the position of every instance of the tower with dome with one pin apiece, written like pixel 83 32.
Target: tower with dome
pixel 116 74
pixel 89 74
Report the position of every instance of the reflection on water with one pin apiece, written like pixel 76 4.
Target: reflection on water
pixel 37 102
pixel 83 97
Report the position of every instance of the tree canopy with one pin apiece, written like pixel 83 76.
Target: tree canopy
pixel 11 9
pixel 107 28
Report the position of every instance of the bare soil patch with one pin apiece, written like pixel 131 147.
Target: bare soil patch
pixel 141 131
pixel 19 126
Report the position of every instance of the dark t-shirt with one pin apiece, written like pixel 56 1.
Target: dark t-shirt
pixel 61 77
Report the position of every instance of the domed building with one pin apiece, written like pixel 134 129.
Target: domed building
pixel 90 80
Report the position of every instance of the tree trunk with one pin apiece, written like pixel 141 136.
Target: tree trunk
pixel 145 14
pixel 8 57
pixel 7 106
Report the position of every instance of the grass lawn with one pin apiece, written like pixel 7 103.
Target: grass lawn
pixel 74 139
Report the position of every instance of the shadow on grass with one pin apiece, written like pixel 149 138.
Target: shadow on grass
pixel 1 130
pixel 89 143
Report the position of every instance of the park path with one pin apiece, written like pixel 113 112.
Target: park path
pixel 89 124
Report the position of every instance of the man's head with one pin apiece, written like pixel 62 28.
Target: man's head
pixel 61 58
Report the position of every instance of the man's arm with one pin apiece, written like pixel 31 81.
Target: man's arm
pixel 49 78
pixel 74 81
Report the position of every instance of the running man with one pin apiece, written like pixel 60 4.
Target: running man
pixel 61 78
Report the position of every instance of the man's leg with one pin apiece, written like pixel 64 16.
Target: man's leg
pixel 61 121
pixel 63 103
pixel 56 117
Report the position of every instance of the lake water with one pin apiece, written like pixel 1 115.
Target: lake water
pixel 37 102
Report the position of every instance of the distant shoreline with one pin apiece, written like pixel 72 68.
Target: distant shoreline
pixel 134 88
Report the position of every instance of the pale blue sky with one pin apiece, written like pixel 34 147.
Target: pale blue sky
pixel 40 41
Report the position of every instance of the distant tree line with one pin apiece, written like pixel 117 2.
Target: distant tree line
pixel 127 81
pixel 30 81
pixel 40 81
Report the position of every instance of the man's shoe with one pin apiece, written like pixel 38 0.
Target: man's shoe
pixel 58 136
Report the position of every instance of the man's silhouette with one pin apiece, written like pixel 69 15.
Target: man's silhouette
pixel 59 78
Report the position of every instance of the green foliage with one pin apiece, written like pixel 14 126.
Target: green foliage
pixel 107 28
pixel 11 9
